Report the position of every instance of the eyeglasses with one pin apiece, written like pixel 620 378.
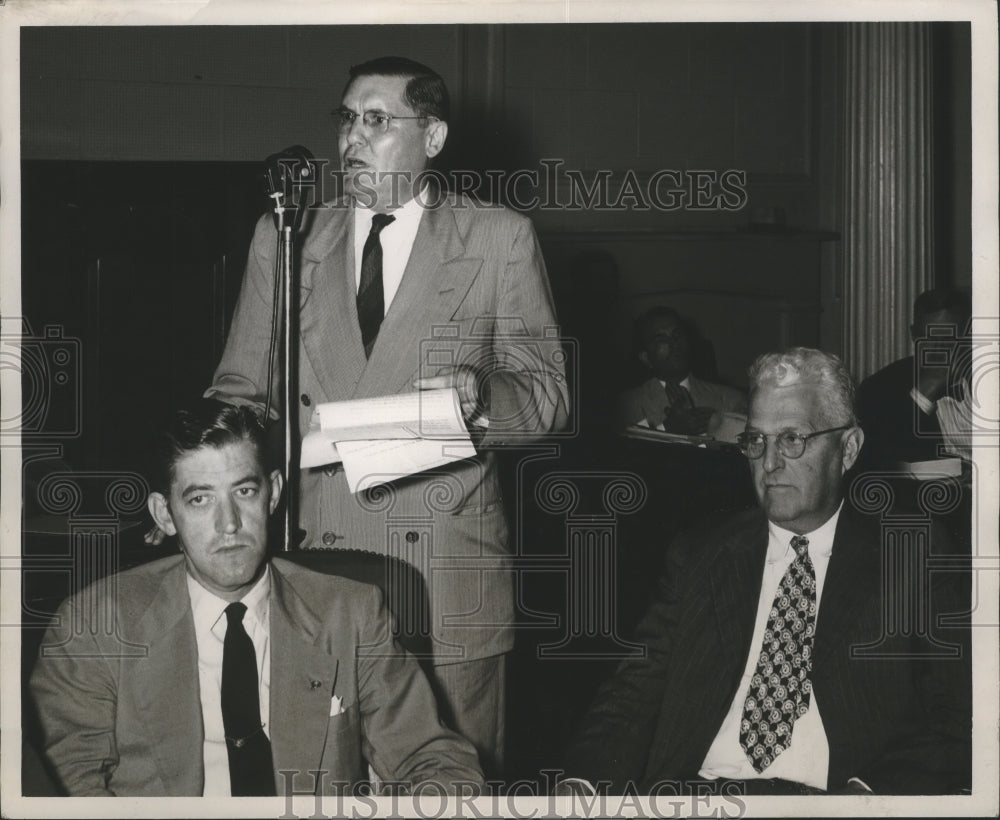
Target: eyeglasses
pixel 790 445
pixel 376 122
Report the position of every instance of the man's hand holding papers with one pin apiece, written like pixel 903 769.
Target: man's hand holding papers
pixel 388 437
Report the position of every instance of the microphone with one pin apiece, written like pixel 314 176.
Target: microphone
pixel 283 173
pixel 293 166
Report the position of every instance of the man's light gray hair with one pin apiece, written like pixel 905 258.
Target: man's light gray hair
pixel 805 365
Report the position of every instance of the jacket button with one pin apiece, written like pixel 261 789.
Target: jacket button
pixel 330 538
pixel 306 401
pixel 412 537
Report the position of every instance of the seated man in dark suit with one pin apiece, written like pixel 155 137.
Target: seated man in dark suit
pixel 672 397
pixel 897 406
pixel 220 672
pixel 765 671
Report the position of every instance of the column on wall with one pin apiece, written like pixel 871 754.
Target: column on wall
pixel 887 188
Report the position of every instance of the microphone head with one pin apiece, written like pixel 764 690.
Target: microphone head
pixel 288 168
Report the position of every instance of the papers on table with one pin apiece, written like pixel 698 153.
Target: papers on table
pixel 723 428
pixel 387 437
pixel 931 469
pixel 726 426
pixel 643 432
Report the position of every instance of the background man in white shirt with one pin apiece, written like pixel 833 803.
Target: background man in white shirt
pixel 673 398
pixel 760 674
pixel 898 405
pixel 219 672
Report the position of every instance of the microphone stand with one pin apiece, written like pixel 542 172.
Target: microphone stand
pixel 285 309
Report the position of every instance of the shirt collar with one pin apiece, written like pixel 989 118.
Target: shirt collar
pixel 779 544
pixel 411 211
pixel 208 608
pixel 685 383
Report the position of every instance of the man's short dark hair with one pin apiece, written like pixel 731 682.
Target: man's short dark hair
pixel 425 92
pixel 954 300
pixel 208 423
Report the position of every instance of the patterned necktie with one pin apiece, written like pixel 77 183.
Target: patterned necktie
pixel 371 299
pixel 780 689
pixel 251 771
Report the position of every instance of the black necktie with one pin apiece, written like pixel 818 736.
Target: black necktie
pixel 371 300
pixel 780 689
pixel 251 772
pixel 686 400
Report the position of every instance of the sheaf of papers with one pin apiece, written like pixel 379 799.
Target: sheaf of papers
pixel 388 437
pixel 933 468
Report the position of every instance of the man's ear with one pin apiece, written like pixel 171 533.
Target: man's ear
pixel 853 441
pixel 644 358
pixel 159 508
pixel 434 137
pixel 276 485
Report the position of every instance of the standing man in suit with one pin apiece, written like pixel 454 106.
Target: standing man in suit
pixel 672 397
pixel 760 674
pixel 897 406
pixel 221 673
pixel 406 287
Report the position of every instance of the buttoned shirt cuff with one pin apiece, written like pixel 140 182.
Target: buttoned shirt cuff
pixel 861 782
pixel 925 404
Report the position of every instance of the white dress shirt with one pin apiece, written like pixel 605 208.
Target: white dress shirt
pixel 210 625
pixel 685 383
pixel 807 759
pixel 397 243
pixel 954 418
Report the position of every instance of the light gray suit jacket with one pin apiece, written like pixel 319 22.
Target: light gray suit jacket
pixel 475 292
pixel 118 696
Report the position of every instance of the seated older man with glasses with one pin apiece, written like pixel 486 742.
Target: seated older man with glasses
pixel 775 662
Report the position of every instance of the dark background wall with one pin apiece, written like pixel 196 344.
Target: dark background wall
pixel 140 145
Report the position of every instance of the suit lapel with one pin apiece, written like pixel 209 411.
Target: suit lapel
pixel 167 685
pixel 303 676
pixel 328 317
pixel 854 566
pixel 702 394
pixel 436 279
pixel 736 579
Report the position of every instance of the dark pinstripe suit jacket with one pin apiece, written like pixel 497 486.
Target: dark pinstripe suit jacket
pixel 901 724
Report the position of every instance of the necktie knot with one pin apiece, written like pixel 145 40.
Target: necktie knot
pixel 801 545
pixel 379 221
pixel 235 613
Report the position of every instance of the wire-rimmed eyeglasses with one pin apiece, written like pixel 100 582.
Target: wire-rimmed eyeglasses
pixel 790 445
pixel 376 122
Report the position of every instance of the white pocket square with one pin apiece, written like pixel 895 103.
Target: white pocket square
pixel 336 706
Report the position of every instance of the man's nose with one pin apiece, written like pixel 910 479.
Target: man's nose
pixel 772 455
pixel 228 517
pixel 356 133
